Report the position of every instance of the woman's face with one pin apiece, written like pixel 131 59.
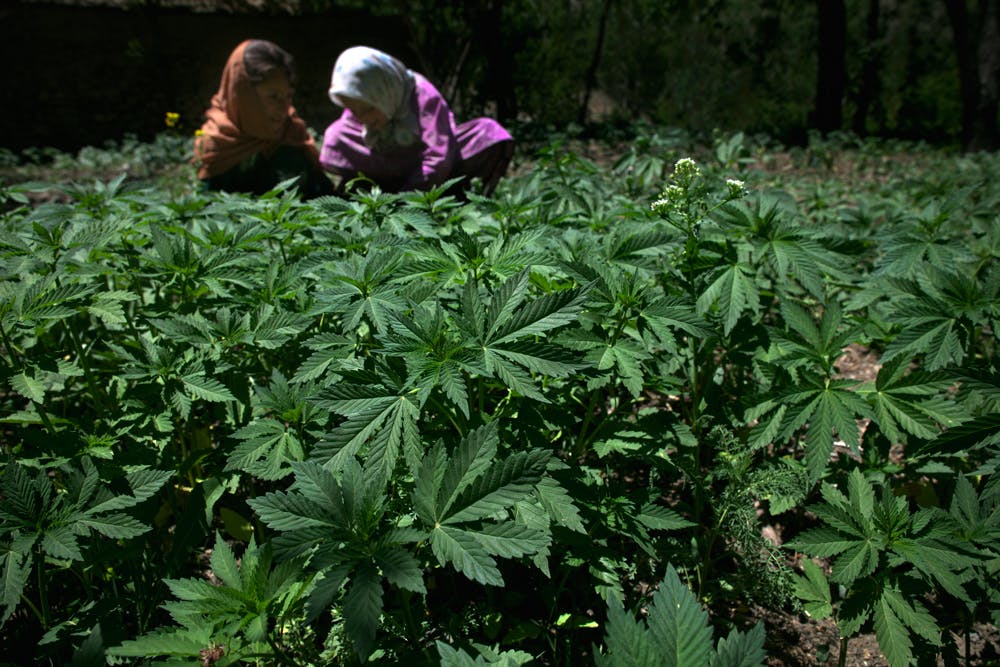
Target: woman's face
pixel 275 94
pixel 370 117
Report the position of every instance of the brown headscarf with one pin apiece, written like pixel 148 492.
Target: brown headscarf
pixel 235 127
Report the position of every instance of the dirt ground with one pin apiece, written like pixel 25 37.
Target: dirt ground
pixel 796 641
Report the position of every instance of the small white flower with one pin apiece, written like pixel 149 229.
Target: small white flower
pixel 736 188
pixel 671 199
pixel 686 170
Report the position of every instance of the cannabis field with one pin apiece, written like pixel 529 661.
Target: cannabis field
pixel 605 416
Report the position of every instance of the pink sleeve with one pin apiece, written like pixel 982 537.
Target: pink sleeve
pixel 437 128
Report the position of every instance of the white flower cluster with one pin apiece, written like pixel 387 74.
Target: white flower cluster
pixel 686 170
pixel 736 187
pixel 673 196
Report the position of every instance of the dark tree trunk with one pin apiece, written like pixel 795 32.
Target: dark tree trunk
pixel 485 21
pixel 831 73
pixel 977 49
pixel 869 88
pixel 500 77
pixel 590 80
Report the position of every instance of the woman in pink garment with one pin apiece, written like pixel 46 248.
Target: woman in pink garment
pixel 398 131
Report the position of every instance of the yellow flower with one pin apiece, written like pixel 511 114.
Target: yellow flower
pixel 172 118
pixel 199 132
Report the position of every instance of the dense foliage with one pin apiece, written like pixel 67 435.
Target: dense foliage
pixel 408 429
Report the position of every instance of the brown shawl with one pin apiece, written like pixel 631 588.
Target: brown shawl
pixel 235 127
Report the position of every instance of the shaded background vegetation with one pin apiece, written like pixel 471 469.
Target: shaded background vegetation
pixel 92 70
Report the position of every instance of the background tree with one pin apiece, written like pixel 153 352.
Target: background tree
pixel 871 55
pixel 778 68
pixel 831 71
pixel 976 33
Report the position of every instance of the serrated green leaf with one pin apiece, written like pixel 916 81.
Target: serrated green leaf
pixel 402 569
pixel 628 643
pixel 914 615
pixel 430 476
pixel 558 504
pixel 471 458
pixel 814 591
pixel 539 316
pixel 224 564
pixel 509 539
pixel 362 609
pixel 145 483
pixel 500 487
pixel 658 517
pixel 734 290
pixel 822 542
pixel 466 554
pixel 268 447
pixel 116 526
pixel 207 389
pixel 741 649
pixel 892 636
pixel 15 570
pixel 283 511
pixel 857 561
pixel 27 386
pixel 60 542
pixel 678 625
pixel 179 642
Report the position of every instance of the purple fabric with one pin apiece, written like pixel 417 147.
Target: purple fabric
pixel 446 149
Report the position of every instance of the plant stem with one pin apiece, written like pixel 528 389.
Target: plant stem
pixel 580 446
pixel 447 413
pixel 43 600
pixel 842 658
pixel 44 416
pixel 695 387
pixel 87 372
pixel 9 346
pixel 34 609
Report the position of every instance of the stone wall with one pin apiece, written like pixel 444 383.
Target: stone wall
pixel 77 76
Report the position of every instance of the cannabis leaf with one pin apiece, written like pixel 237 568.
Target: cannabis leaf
pixel 39 522
pixel 675 632
pixel 462 499
pixel 879 552
pixel 242 614
pixel 341 523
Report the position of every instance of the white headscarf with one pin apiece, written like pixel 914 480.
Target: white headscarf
pixel 367 74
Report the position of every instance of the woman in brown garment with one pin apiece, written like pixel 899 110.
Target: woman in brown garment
pixel 252 138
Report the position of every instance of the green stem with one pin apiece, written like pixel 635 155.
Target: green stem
pixel 43 600
pixel 44 416
pixel 842 658
pixel 31 605
pixel 447 413
pixel 708 543
pixel 278 652
pixel 695 387
pixel 87 372
pixel 9 346
pixel 580 446
pixel 411 625
pixel 482 395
